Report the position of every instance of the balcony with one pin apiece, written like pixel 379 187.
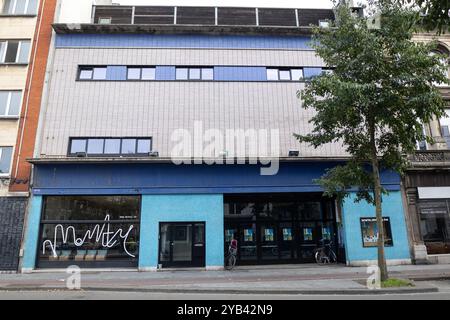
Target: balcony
pixel 430 159
pixel 211 20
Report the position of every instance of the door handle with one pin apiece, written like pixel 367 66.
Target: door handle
pixel 198 245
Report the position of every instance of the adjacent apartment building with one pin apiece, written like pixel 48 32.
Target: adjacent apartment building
pixel 18 21
pixel 126 173
pixel 427 182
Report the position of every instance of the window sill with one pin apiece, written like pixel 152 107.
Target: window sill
pixel 9 117
pixel 19 64
pixel 23 15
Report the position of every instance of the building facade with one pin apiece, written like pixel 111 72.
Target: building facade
pixel 18 21
pixel 427 182
pixel 126 173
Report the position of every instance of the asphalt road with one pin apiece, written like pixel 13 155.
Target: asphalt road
pixel 443 294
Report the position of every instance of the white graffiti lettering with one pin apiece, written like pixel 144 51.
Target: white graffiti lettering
pixel 107 238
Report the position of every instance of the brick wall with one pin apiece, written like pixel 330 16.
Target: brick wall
pixel 12 211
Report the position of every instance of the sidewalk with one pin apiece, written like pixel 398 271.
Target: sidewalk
pixel 283 279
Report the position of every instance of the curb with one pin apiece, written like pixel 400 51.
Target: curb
pixel 234 291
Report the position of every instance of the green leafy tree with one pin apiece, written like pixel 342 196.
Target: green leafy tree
pixel 373 103
pixel 435 13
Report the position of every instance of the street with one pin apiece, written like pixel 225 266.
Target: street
pixel 443 294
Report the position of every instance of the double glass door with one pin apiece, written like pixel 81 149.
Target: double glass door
pixel 182 244
pixel 278 242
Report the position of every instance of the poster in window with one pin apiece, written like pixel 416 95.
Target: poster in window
pixel 326 233
pixel 229 235
pixel 287 234
pixel 248 235
pixel 268 234
pixel 369 232
pixel 308 234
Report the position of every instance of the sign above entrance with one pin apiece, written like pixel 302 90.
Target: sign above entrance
pixel 434 192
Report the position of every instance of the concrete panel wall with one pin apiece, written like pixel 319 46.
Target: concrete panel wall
pixel 158 108
pixel 17 28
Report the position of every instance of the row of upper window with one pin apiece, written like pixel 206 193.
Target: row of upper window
pixel 110 146
pixel 20 7
pixel 14 51
pixel 191 73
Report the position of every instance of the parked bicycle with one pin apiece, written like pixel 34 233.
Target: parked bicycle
pixel 325 254
pixel 230 258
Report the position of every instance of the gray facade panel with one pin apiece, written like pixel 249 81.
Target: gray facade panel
pixel 158 108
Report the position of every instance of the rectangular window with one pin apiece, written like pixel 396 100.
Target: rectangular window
pixel 195 74
pixel 20 7
pixel 14 51
pixel 141 73
pixel 86 73
pixel 445 127
pixel 284 74
pixel 104 20
pixel 207 74
pixel 369 232
pixel 110 146
pixel 92 73
pixel 99 74
pixel 73 230
pixel 10 103
pixel 182 74
pixel 5 160
pixel 148 73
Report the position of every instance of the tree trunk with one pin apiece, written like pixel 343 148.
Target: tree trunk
pixel 379 214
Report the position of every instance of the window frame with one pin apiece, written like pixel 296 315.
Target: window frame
pixel 8 104
pixel 18 52
pixel 281 69
pixel 105 155
pixel 188 73
pixel 26 8
pixel 141 73
pixel 92 69
pixel 388 232
pixel 6 174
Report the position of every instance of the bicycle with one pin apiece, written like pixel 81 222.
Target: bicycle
pixel 231 257
pixel 325 254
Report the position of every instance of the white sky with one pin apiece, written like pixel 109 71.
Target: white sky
pixel 234 3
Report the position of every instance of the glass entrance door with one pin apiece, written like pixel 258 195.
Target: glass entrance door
pixel 182 244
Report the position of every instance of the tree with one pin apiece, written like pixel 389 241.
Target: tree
pixel 373 103
pixel 435 13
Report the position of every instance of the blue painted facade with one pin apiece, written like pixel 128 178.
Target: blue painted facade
pixel 206 208
pixel 165 73
pixel 240 74
pixel 392 208
pixel 167 178
pixel 195 193
pixel 32 233
pixel 181 41
pixel 116 73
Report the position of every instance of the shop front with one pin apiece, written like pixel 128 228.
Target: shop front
pixel 279 228
pixel 428 197
pixel 89 231
pixel 148 216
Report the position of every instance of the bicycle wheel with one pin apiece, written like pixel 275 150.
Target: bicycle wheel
pixel 321 258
